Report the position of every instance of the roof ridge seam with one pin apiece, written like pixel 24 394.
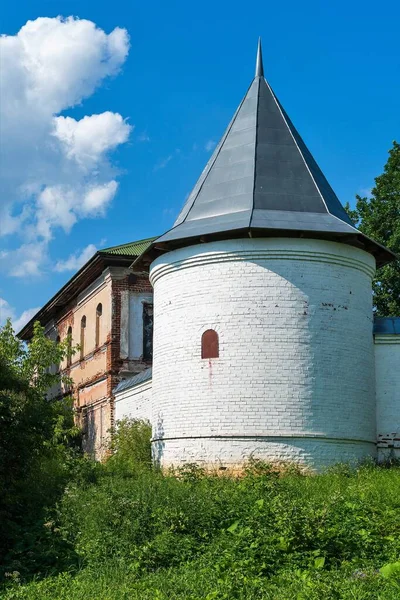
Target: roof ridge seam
pixel 255 152
pixel 297 146
pixel 341 220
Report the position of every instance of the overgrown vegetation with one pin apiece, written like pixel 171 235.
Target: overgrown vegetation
pixel 144 535
pixel 74 529
pixel 38 448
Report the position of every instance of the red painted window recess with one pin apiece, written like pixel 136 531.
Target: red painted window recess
pixel 209 344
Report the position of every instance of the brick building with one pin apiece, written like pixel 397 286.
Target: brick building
pixel 107 308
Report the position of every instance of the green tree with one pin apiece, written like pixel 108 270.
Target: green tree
pixel 37 436
pixel 379 218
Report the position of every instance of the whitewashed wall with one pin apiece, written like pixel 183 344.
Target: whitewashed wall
pixel 387 368
pixel 295 376
pixel 134 402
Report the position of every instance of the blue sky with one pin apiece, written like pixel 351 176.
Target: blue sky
pixel 335 67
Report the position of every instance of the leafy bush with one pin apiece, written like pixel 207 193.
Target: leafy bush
pixel 130 444
pixel 38 446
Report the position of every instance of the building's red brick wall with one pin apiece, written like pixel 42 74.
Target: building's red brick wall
pixel 115 364
pixel 96 374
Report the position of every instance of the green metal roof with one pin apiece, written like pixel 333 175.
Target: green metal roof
pixel 130 249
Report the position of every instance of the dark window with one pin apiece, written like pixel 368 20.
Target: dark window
pixel 82 344
pixel 147 331
pixel 99 312
pixel 69 348
pixel 209 344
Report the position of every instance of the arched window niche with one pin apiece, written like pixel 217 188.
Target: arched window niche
pixel 69 348
pixel 209 344
pixel 99 312
pixel 58 340
pixel 82 341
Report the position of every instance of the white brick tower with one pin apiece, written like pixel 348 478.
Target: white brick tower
pixel 263 307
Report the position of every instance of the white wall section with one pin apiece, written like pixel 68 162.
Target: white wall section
pixel 387 367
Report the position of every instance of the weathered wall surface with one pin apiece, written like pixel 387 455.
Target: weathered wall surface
pixel 295 374
pixel 95 358
pixel 134 403
pixel 96 373
pixel 90 372
pixel 387 369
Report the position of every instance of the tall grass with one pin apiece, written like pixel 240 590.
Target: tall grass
pixel 138 534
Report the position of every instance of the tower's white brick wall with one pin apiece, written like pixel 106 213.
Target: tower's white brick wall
pixel 295 375
pixel 387 368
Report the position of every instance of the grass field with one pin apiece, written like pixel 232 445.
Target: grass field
pixel 118 536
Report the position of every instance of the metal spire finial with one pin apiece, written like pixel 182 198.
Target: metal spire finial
pixel 259 62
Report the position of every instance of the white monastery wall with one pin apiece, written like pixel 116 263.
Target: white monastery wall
pixel 295 373
pixel 134 403
pixel 387 368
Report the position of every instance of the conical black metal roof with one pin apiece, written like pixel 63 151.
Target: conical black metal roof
pixel 262 181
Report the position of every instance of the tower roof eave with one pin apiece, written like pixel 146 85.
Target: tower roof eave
pixel 316 227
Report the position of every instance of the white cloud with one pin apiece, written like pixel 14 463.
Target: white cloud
pixel 210 145
pixel 63 205
pixel 143 137
pixel 96 199
pixel 55 170
pixel 24 318
pixel 88 140
pixel 163 163
pixel 25 260
pixel 8 312
pixel 77 260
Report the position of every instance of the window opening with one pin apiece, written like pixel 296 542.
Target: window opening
pixel 82 342
pixel 147 331
pixel 99 312
pixel 209 344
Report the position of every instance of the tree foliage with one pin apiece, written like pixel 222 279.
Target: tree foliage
pixel 36 434
pixel 379 218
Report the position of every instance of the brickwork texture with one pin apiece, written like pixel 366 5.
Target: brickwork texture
pixel 295 374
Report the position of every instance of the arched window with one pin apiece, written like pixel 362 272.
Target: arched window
pixel 99 312
pixel 58 340
pixel 82 342
pixel 209 344
pixel 69 348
